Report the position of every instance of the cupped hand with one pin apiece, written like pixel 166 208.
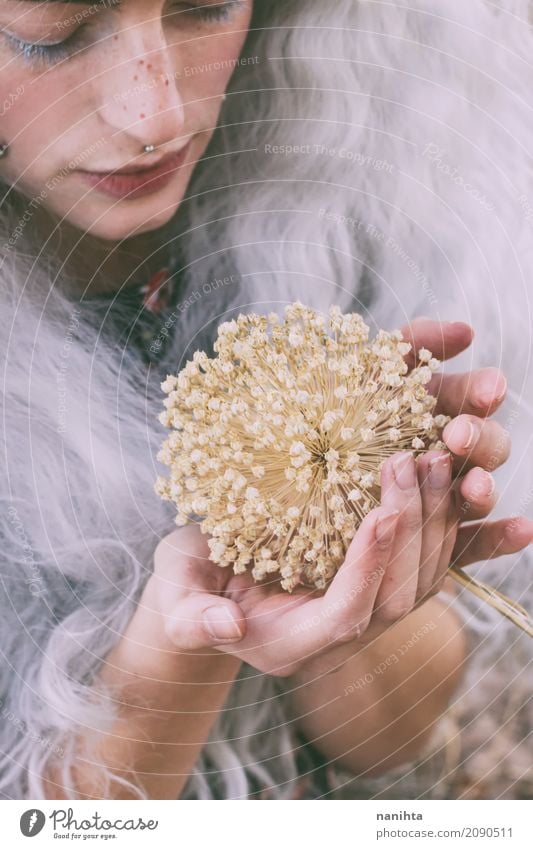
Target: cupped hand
pixel 398 557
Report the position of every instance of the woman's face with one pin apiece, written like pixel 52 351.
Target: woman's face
pixel 85 86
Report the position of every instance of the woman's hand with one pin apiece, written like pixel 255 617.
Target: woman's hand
pixel 479 445
pixel 394 563
pixel 398 557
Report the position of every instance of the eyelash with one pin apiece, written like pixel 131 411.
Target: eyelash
pixel 46 53
pixel 220 12
pixel 49 54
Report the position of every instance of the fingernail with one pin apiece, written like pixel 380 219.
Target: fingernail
pixel 469 433
pixel 490 484
pixel 458 324
pixel 439 472
pixel 386 527
pixel 493 388
pixel 404 471
pixel 220 623
pixel 461 431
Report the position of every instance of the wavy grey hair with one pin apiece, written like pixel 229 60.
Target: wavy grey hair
pixel 370 154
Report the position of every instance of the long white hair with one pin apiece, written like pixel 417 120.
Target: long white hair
pixel 369 154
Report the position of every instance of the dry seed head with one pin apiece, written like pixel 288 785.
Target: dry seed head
pixel 278 441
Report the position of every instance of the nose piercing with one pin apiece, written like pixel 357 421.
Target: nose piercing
pixel 3 149
pixel 148 148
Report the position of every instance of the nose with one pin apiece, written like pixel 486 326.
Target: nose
pixel 142 102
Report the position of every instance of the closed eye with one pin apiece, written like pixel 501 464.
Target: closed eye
pixel 46 53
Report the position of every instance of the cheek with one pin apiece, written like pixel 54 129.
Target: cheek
pixel 36 119
pixel 16 97
pixel 206 72
pixel 22 124
pixel 45 102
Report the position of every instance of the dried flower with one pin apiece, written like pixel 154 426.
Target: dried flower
pixel 278 442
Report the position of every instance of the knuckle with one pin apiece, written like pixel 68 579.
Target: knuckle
pixel 382 559
pixel 427 589
pixel 385 531
pixel 344 630
pixel 394 609
pixel 383 545
pixel 411 518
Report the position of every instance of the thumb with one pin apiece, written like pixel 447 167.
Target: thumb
pixel 200 620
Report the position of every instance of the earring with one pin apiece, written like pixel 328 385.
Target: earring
pixel 4 147
pixel 148 148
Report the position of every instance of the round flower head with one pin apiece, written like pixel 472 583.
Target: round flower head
pixel 277 442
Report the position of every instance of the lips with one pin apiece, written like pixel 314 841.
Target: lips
pixel 130 184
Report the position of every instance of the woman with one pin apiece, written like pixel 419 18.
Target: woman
pixel 113 684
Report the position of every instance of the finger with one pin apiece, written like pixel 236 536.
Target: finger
pixel 400 490
pixel 202 620
pixel 487 540
pixel 477 442
pixel 478 392
pixel 448 544
pixel 345 609
pixel 435 479
pixel 445 339
pixel 442 576
pixel 188 587
pixel 352 594
pixel 476 494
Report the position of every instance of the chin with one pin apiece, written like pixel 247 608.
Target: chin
pixel 129 218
